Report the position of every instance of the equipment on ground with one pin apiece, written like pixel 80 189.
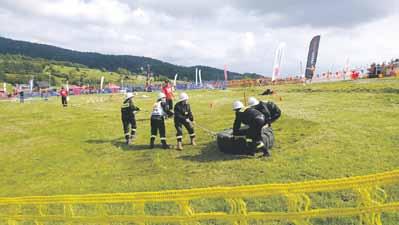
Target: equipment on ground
pixel 239 145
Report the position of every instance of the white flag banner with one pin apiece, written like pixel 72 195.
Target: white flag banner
pixel 200 77
pixel 196 76
pixel 277 61
pixel 175 80
pixel 102 83
pixel 31 85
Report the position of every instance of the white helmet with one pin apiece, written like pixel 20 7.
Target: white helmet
pixel 183 97
pixel 161 95
pixel 129 95
pixel 238 105
pixel 252 101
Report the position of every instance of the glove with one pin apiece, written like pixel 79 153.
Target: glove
pixel 188 120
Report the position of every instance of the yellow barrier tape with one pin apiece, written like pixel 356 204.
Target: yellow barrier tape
pixel 371 203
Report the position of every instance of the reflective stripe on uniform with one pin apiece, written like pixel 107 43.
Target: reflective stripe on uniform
pixel 248 140
pixel 133 129
pixel 125 105
pixel 127 134
pixel 163 139
pixel 260 145
pixel 237 136
pixel 192 135
pixel 179 137
pixel 153 136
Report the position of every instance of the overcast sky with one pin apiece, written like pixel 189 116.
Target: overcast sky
pixel 242 34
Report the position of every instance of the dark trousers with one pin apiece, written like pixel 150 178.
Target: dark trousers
pixel 64 101
pixel 129 122
pixel 254 132
pixel 158 124
pixel 179 129
pixel 170 103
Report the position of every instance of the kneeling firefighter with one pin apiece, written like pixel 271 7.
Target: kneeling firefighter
pixel 269 109
pixel 256 121
pixel 128 111
pixel 160 111
pixel 183 117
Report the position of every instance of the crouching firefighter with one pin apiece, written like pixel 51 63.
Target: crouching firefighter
pixel 128 111
pixel 269 109
pixel 183 117
pixel 160 111
pixel 255 120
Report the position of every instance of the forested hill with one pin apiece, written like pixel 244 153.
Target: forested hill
pixel 134 64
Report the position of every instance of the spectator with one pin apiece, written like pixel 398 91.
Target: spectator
pixel 64 97
pixel 168 91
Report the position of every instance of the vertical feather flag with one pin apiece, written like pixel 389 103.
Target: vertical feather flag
pixel 196 76
pixel 225 72
pixel 31 85
pixel 175 80
pixel 312 57
pixel 102 83
pixel 277 61
pixel 200 77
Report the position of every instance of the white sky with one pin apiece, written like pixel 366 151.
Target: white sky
pixel 241 34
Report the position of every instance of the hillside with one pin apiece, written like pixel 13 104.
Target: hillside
pixel 134 64
pixel 17 69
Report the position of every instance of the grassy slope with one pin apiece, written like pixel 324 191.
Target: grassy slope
pixel 326 131
pixel 95 75
pixel 87 73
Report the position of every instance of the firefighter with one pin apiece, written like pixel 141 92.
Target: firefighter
pixel 269 109
pixel 256 121
pixel 128 111
pixel 183 117
pixel 160 111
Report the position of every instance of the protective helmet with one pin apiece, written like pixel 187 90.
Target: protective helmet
pixel 161 95
pixel 252 101
pixel 129 95
pixel 183 97
pixel 237 105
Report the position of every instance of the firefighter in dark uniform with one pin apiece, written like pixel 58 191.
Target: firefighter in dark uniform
pixel 159 112
pixel 183 117
pixel 255 120
pixel 269 109
pixel 128 111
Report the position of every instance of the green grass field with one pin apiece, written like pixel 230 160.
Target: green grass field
pixel 326 131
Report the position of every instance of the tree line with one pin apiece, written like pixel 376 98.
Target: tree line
pixel 134 64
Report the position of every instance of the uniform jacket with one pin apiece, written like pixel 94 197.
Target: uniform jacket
pixel 246 116
pixel 161 109
pixel 183 112
pixel 263 108
pixel 128 108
